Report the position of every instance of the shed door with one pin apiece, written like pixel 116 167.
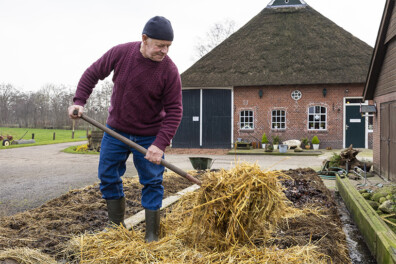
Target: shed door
pixel 384 143
pixel 187 135
pixel 392 141
pixel 388 140
pixel 355 127
pixel 216 118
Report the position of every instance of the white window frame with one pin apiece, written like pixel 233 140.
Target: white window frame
pixel 367 116
pixel 276 122
pixel 296 95
pixel 243 124
pixel 319 121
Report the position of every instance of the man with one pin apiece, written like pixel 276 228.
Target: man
pixel 146 107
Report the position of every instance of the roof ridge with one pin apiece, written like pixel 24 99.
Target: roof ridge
pixel 286 4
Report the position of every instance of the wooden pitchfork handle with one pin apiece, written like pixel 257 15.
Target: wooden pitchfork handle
pixel 137 147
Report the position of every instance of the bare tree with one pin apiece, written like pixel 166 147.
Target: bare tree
pixel 51 103
pixel 217 34
pixel 99 101
pixel 20 109
pixel 7 92
pixel 47 108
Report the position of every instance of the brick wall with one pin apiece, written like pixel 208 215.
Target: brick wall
pixel 377 128
pixel 279 97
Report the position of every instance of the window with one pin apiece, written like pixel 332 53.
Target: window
pixel 370 123
pixel 317 118
pixel 296 95
pixel 246 119
pixel 278 119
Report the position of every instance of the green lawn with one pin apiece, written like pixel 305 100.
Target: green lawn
pixel 41 136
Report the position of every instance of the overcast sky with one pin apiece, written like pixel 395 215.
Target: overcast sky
pixel 54 41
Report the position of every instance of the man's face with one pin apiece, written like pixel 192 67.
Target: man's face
pixel 155 49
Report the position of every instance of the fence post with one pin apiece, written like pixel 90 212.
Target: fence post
pixel 53 138
pixel 74 121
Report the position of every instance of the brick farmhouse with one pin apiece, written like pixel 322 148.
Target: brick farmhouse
pixel 289 72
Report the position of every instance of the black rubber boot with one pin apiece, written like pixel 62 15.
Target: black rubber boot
pixel 152 225
pixel 116 211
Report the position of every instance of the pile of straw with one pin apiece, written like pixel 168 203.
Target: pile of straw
pixel 234 206
pixel 25 256
pixel 228 220
pixel 122 246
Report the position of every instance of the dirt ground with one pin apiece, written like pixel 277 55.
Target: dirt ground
pixel 306 189
pixel 50 226
pixel 80 210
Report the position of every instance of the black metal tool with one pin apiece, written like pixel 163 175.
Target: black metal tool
pixel 138 147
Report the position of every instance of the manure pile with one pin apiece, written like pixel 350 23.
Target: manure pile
pixel 48 227
pixel 244 215
pixel 238 216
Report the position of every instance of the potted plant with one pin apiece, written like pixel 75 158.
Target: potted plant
pixel 268 148
pixel 264 140
pixel 275 141
pixel 315 142
pixel 305 143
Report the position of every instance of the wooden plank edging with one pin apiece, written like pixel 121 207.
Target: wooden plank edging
pixel 140 217
pixel 378 236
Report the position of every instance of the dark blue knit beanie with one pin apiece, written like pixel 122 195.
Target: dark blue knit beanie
pixel 160 28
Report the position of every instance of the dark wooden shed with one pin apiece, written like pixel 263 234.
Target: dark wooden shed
pixel 381 88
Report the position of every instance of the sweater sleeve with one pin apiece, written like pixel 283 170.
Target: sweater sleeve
pixel 99 70
pixel 173 107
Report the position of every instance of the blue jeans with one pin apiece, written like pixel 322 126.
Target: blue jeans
pixel 112 166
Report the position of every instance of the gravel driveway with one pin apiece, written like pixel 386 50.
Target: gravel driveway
pixel 31 176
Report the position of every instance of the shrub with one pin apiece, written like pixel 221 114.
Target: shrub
pixel 82 148
pixel 335 160
pixel 264 139
pixel 304 141
pixel 315 140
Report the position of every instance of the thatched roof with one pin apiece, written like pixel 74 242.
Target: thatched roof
pixel 283 46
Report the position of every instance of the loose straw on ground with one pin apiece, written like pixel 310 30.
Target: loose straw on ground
pixel 26 256
pixel 228 220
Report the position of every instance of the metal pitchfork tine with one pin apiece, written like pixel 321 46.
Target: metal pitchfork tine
pixel 137 147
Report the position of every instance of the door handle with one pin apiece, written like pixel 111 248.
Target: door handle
pixel 346 127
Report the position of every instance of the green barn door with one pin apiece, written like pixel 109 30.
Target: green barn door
pixel 354 127
pixel 187 135
pixel 216 117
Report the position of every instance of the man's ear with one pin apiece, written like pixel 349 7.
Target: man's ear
pixel 144 38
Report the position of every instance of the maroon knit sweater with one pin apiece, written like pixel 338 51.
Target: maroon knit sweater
pixel 146 99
